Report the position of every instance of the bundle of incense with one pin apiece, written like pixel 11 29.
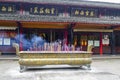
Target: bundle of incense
pixel 59 47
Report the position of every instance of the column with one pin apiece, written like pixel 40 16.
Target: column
pixel 112 43
pixel 70 35
pixel 20 35
pixel 70 32
pixel 101 46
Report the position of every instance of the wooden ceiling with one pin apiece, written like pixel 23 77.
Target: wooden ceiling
pixel 8 23
pixel 63 25
pixel 55 25
pixel 44 25
pixel 117 28
pixel 91 26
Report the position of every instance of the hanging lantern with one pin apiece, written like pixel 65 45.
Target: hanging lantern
pixel 75 41
pixel 85 43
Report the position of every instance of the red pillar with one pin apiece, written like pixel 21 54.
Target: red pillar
pixel 101 46
pixel 21 30
pixel 21 45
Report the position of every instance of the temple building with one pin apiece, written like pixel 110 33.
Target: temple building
pixel 39 24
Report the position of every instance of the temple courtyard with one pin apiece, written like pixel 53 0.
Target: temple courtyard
pixel 107 69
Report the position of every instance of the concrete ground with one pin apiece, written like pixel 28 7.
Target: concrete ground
pixel 101 70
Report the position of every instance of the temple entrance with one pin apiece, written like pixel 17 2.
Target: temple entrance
pixel 83 39
pixel 100 36
pixel 76 36
pixel 38 38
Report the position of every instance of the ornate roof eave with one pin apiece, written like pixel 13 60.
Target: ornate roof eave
pixel 102 20
pixel 72 2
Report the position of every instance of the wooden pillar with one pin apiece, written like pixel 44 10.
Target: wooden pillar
pixel 20 35
pixel 71 35
pixel 112 43
pixel 70 32
pixel 101 46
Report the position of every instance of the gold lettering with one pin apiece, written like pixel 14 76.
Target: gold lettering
pixel 91 13
pixel 4 8
pixel 52 10
pixel 9 9
pixel 76 12
pixel 35 9
pixel 47 11
pixel 87 13
pixel 41 10
pixel 82 13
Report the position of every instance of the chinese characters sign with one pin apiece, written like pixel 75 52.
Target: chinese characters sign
pixel 48 10
pixel 7 8
pixel 44 10
pixel 83 12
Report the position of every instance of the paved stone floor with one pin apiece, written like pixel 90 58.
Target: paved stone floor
pixel 101 70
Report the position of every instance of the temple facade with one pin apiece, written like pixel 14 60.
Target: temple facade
pixel 60 24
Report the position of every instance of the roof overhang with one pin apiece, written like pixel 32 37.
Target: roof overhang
pixel 26 16
pixel 70 2
pixel 38 18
